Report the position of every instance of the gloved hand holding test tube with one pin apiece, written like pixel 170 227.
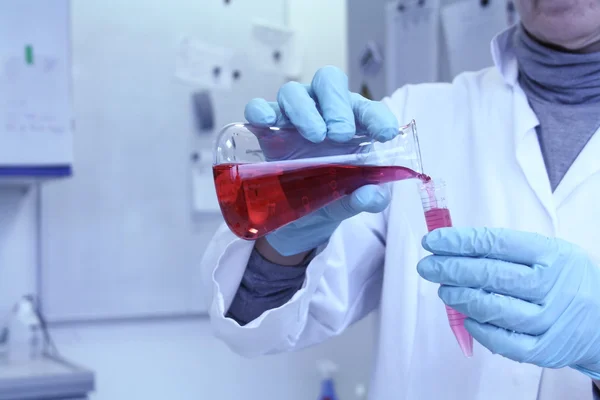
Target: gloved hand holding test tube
pixel 437 215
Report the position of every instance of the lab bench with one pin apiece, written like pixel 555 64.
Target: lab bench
pixel 45 378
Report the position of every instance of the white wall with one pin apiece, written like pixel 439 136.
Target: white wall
pixel 18 246
pixel 179 359
pixel 321 27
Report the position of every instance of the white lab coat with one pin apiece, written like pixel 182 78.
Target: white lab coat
pixel 478 134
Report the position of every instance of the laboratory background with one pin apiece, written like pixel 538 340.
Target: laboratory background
pixel 108 113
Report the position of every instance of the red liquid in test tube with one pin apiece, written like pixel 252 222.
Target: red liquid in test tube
pixel 437 216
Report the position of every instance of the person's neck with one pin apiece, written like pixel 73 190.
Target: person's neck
pixel 553 75
pixel 590 48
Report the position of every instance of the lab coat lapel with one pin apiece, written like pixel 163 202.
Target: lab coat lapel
pixel 585 165
pixel 529 154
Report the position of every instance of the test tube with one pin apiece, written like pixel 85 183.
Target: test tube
pixel 437 215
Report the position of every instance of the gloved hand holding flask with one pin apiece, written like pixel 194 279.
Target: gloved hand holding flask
pixel 328 114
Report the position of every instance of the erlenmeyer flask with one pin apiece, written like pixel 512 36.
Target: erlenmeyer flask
pixel 266 178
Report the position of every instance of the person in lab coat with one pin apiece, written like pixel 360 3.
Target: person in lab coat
pixel 517 145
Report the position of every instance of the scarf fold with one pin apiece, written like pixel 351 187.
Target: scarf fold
pixel 556 76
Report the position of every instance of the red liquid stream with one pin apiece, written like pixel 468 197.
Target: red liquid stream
pixel 256 199
pixel 440 218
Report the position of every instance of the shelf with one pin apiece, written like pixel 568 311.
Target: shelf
pixel 23 176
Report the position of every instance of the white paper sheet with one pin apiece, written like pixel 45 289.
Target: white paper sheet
pixel 275 49
pixel 23 113
pixel 469 28
pixel 36 117
pixel 412 45
pixel 203 64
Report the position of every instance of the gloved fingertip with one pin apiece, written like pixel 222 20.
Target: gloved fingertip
pixel 363 197
pixel 422 268
pixel 427 269
pixel 382 197
pixel 341 131
pixel 386 134
pixel 472 326
pixel 425 242
pixel 328 73
pixel 371 199
pixel 443 293
pixel 259 112
pixel 313 129
pixel 315 135
pixel 430 241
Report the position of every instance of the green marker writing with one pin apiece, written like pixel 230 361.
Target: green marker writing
pixel 29 54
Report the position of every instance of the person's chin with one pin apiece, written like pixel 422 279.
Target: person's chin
pixel 568 36
pixel 586 45
pixel 565 9
pixel 556 8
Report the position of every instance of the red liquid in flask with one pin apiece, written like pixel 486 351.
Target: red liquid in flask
pixel 256 199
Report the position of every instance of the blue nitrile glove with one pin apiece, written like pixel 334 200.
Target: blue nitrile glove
pixel 527 297
pixel 324 109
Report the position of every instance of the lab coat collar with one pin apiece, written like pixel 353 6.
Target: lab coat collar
pixel 504 56
pixel 506 64
pixel 526 144
pixel 585 165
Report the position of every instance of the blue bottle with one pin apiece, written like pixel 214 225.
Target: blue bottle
pixel 327 369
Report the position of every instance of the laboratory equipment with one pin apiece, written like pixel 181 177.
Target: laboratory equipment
pixel 437 215
pixel 360 391
pixel 327 369
pixel 4 341
pixel 24 332
pixel 265 179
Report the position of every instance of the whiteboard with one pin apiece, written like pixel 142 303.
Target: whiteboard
pixel 35 87
pixel 118 239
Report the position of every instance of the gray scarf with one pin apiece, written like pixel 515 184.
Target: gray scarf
pixel 556 76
